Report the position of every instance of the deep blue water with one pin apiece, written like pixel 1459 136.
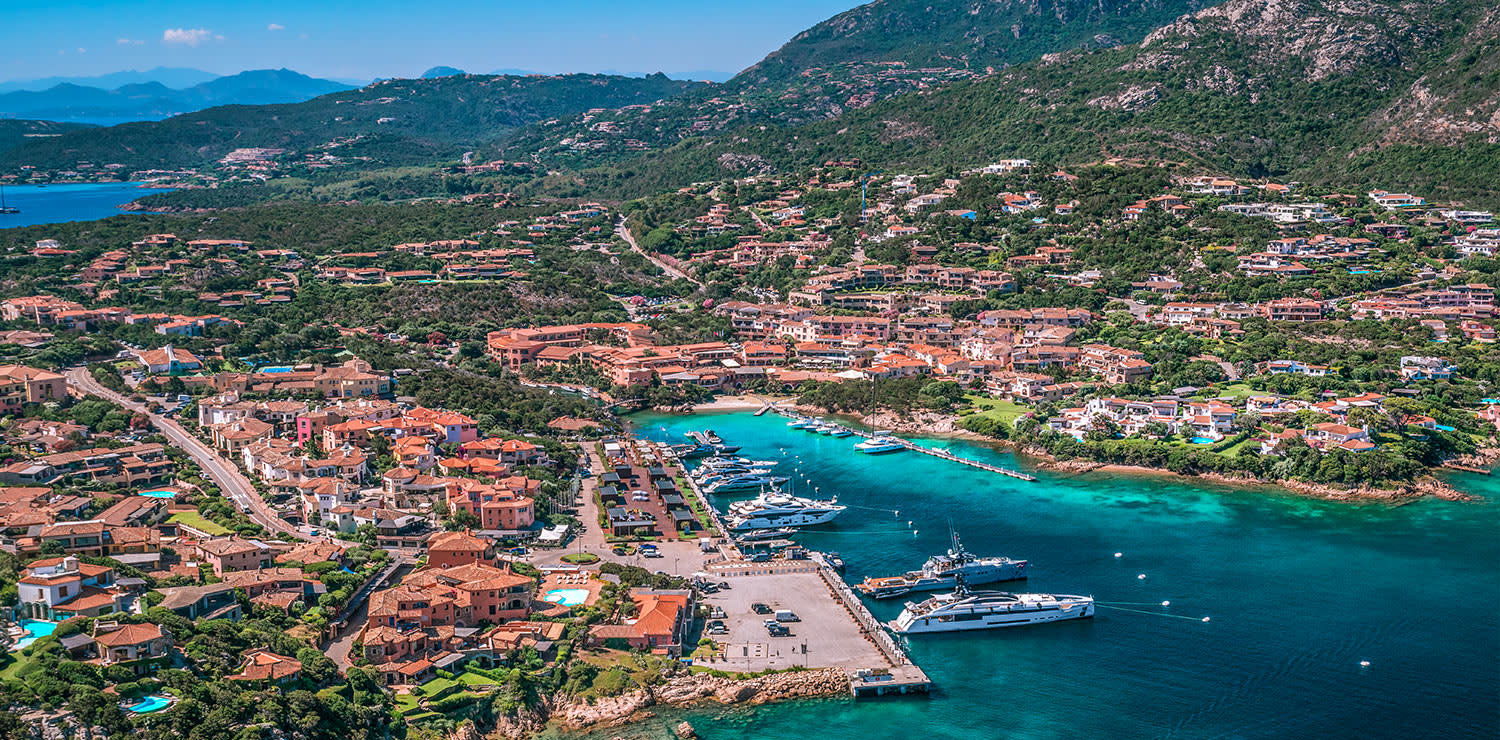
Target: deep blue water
pixel 1299 593
pixel 73 202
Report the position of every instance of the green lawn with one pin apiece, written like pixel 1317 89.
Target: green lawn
pixel 999 409
pixel 1238 391
pixel 196 521
pixel 470 678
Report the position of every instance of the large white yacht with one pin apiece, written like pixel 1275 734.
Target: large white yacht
pixel 943 571
pixel 776 510
pixel 963 609
pixel 880 443
pixel 748 481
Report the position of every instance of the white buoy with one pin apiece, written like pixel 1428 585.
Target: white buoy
pixel 1364 664
pixel 908 522
pixel 1141 577
pixel 1205 619
pixel 1166 603
pixel 1119 554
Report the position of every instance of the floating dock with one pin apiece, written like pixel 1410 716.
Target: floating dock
pixel 914 447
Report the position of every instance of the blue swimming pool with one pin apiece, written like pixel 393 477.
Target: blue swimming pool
pixel 1443 427
pixel 274 370
pixel 149 704
pixel 567 596
pixel 159 494
pixel 1203 440
pixel 34 628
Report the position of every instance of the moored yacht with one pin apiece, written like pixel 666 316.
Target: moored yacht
pixel 779 510
pixel 745 482
pixel 880 443
pixel 943 571
pixel 963 609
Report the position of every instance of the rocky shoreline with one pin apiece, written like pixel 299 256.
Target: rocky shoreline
pixel 932 423
pixel 685 689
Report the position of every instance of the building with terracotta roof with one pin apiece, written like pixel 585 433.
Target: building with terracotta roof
pixel 264 666
pixel 505 505
pixel 127 643
pixel 59 588
pixel 661 623
pixel 461 595
pixel 21 385
pixel 447 549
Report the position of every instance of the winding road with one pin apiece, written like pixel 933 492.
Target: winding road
pixel 221 471
pixel 622 231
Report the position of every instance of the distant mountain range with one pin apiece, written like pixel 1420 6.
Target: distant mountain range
pixel 151 100
pixel 388 122
pixel 173 77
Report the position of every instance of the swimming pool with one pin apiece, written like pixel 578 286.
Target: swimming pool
pixel 274 370
pixel 1443 427
pixel 1203 440
pixel 149 704
pixel 34 628
pixel 567 596
pixel 159 494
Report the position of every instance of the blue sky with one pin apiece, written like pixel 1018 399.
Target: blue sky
pixel 391 38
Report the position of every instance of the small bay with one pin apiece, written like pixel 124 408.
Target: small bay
pixel 52 204
pixel 1299 591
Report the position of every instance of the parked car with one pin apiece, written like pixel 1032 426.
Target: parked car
pixel 717 627
pixel 716 612
pixel 787 615
pixel 760 608
pixel 651 553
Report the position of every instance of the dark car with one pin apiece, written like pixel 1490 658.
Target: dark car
pixel 760 608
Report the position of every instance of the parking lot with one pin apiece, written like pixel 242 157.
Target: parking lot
pixel 829 636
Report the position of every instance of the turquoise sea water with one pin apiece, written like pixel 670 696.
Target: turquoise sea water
pixel 1299 592
pixel 58 203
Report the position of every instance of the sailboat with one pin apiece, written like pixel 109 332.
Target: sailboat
pixel 5 208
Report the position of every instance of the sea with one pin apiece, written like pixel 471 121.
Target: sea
pixel 52 204
pixel 1289 617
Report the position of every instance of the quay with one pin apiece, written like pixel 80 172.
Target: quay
pixel 914 447
pixel 850 631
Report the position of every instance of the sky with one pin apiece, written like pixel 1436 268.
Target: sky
pixel 396 38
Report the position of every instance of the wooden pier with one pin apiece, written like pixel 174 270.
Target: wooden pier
pixel 914 447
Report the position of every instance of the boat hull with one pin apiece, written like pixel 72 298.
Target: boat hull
pixel 926 625
pixel 886 588
pixel 782 521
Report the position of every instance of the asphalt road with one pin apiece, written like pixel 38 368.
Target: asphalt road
pixel 223 473
pixel 623 232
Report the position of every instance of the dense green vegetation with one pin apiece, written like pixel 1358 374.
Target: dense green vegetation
pixel 1223 101
pixel 947 33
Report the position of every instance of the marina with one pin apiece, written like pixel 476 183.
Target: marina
pixel 1245 557
pixel 914 447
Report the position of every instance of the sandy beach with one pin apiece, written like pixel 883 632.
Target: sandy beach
pixel 741 403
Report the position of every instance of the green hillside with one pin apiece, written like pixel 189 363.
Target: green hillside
pixel 963 34
pixel 392 122
pixel 1392 94
pixel 15 131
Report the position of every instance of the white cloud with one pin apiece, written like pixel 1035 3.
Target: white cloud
pixel 129 42
pixel 82 50
pixel 187 36
pixel 275 27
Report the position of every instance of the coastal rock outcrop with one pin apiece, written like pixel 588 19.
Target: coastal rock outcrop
pixel 687 689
